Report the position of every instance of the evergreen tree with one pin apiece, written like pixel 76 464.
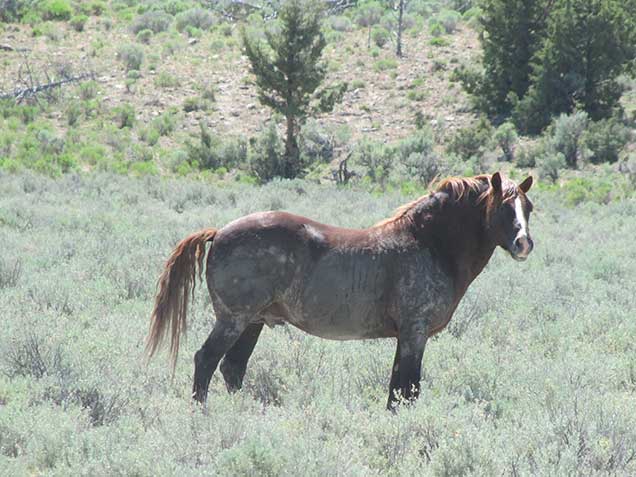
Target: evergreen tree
pixel 588 44
pixel 288 70
pixel 512 35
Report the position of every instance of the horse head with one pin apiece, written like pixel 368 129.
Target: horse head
pixel 507 215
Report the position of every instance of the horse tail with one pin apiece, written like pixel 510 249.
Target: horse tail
pixel 176 283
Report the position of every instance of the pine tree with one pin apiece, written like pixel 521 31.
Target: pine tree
pixel 588 44
pixel 512 35
pixel 288 70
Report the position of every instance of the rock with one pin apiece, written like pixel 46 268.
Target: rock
pixel 192 41
pixel 251 106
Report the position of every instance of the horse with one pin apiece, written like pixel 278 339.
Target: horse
pixel 401 278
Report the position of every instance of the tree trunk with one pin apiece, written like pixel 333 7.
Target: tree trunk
pixel 291 149
pixel 398 51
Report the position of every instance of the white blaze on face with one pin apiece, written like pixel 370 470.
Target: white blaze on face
pixel 521 219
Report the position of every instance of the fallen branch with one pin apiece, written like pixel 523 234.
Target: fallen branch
pixel 29 84
pixel 24 93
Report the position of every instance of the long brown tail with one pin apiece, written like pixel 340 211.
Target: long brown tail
pixel 175 285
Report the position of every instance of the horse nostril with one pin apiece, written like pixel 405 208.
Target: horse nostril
pixel 523 245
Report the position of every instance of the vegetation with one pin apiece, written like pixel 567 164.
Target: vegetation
pixel 544 58
pixel 166 135
pixel 288 74
pixel 73 383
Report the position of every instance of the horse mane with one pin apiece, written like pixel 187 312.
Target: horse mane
pixel 459 189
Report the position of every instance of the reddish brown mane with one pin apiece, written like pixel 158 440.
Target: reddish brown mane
pixel 459 188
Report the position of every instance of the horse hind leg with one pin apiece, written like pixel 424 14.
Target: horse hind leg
pixel 235 361
pixel 227 330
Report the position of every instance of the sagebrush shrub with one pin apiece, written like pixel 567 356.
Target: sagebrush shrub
pixel 156 21
pixel 56 10
pixel 448 19
pixel 124 116
pixel 605 139
pixel 144 36
pixel 506 137
pixel 472 141
pixel 340 23
pixel 195 17
pixel 131 55
pixel 380 36
pixel 78 22
pixel 550 164
pixel 567 136
pixel 266 156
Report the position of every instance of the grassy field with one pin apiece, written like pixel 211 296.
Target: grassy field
pixel 536 374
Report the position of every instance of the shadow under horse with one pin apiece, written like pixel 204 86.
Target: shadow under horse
pixel 402 278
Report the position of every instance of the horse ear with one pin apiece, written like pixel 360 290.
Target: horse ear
pixel 495 181
pixel 526 184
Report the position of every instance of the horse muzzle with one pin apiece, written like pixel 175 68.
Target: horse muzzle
pixel 521 248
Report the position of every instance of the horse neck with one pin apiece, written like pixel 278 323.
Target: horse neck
pixel 460 236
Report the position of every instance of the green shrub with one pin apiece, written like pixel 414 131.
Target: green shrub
pixel 358 84
pixel 506 137
pixel 385 64
pixel 50 30
pixel 88 90
pixel 149 135
pixel 56 9
pixel 380 36
pixel 266 155
pixel 124 116
pixel 416 153
pixel 605 139
pixel 527 156
pixel 436 29
pixel 549 165
pixel 449 20
pixel 472 141
pixel 156 21
pixel 131 55
pixel 582 189
pixel 195 17
pixel 438 41
pixel 166 80
pixel 376 160
pixel 567 134
pixel 144 36
pixel 340 23
pixel 233 154
pixel 78 22
pixel 165 123
pixel 316 144
pixel 207 93
pixel 74 111
pixel 193 32
pixel 97 7
pixel 93 154
pixel 416 95
pixel 194 103
pixel 12 10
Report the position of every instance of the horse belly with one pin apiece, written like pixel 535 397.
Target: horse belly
pixel 344 297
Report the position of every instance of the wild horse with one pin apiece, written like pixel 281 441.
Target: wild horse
pixel 401 278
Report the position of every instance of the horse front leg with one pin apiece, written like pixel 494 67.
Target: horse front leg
pixel 394 385
pixel 412 340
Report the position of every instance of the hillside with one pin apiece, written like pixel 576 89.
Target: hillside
pixel 385 94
